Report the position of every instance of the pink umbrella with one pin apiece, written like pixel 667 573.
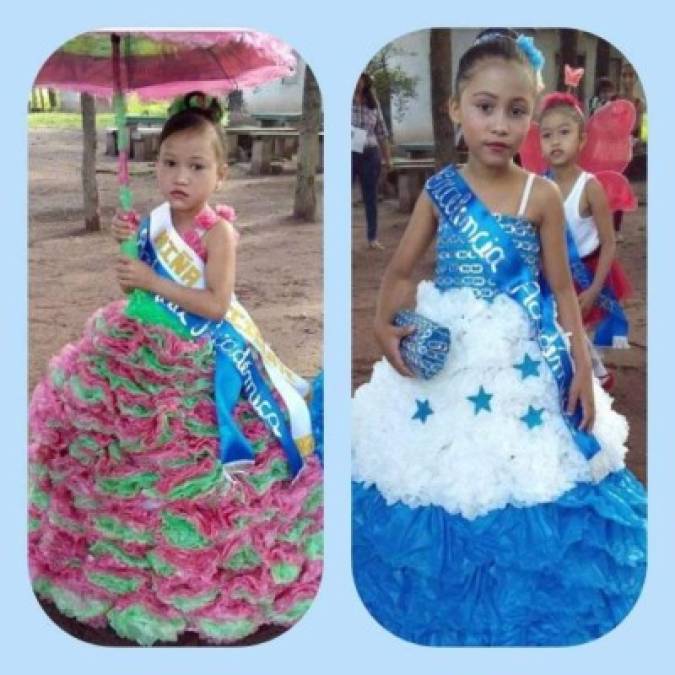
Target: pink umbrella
pixel 163 64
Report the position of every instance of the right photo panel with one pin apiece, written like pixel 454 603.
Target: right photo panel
pixel 499 197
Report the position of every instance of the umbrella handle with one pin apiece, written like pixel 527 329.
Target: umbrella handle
pixel 128 248
pixel 120 109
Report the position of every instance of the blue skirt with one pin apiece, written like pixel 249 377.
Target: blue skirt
pixel 559 573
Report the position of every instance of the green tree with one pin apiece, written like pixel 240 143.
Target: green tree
pixel 394 88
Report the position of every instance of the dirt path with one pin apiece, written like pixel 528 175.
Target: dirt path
pixel 630 391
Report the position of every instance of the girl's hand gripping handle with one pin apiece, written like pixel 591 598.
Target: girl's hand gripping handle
pixel 124 226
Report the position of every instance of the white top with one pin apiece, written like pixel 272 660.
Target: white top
pixel 584 230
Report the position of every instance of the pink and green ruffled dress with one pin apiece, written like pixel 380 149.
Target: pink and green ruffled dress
pixel 133 520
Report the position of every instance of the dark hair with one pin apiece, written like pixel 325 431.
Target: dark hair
pixel 603 84
pixel 489 43
pixel 561 101
pixel 193 115
pixel 368 93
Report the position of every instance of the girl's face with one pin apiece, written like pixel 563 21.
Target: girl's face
pixel 494 110
pixel 561 138
pixel 188 170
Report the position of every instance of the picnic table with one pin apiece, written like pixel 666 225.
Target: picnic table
pixel 410 177
pixel 145 121
pixel 417 150
pixel 276 119
pixel 150 124
pixel 144 133
pixel 266 143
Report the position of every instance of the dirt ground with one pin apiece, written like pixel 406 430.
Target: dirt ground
pixel 630 391
pixel 279 271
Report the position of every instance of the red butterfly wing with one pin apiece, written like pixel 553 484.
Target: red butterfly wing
pixel 608 138
pixel 620 195
pixel 531 157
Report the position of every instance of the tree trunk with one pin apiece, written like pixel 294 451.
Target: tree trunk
pixel 52 99
pixel 304 206
pixel 41 97
pixel 601 59
pixel 568 53
pixel 440 62
pixel 92 221
pixel 384 99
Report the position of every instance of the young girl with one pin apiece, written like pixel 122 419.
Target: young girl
pixel 587 215
pixel 491 505
pixel 173 483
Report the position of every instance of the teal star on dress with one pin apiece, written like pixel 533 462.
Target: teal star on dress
pixel 423 410
pixel 533 417
pixel 528 367
pixel 481 401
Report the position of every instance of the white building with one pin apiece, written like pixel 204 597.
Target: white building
pixel 412 55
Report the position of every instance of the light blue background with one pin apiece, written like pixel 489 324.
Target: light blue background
pixel 337 39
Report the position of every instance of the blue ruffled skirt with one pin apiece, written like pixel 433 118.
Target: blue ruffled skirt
pixel 558 573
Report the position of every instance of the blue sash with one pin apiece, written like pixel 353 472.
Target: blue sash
pixel 612 330
pixel 235 370
pixel 463 211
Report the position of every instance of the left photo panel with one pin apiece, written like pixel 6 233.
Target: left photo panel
pixel 175 431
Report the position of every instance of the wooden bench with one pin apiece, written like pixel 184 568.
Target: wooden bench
pixel 410 177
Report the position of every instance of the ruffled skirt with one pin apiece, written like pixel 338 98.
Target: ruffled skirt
pixel 133 521
pixel 476 519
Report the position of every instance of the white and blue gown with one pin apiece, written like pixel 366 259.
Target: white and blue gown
pixel 476 518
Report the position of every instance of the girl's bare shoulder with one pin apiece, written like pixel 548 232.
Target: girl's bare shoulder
pixel 221 234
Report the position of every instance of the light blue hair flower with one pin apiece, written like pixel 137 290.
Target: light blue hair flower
pixel 534 55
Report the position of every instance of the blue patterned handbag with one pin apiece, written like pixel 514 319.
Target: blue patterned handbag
pixel 426 350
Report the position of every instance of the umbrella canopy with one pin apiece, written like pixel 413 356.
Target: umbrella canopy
pixel 162 64
pixel 158 65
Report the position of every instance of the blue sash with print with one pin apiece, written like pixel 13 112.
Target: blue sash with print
pixel 612 329
pixel 236 371
pixel 469 217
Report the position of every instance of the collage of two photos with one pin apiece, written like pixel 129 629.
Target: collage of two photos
pixel 175 446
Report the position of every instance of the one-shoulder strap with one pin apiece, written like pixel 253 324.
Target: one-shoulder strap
pixel 526 194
